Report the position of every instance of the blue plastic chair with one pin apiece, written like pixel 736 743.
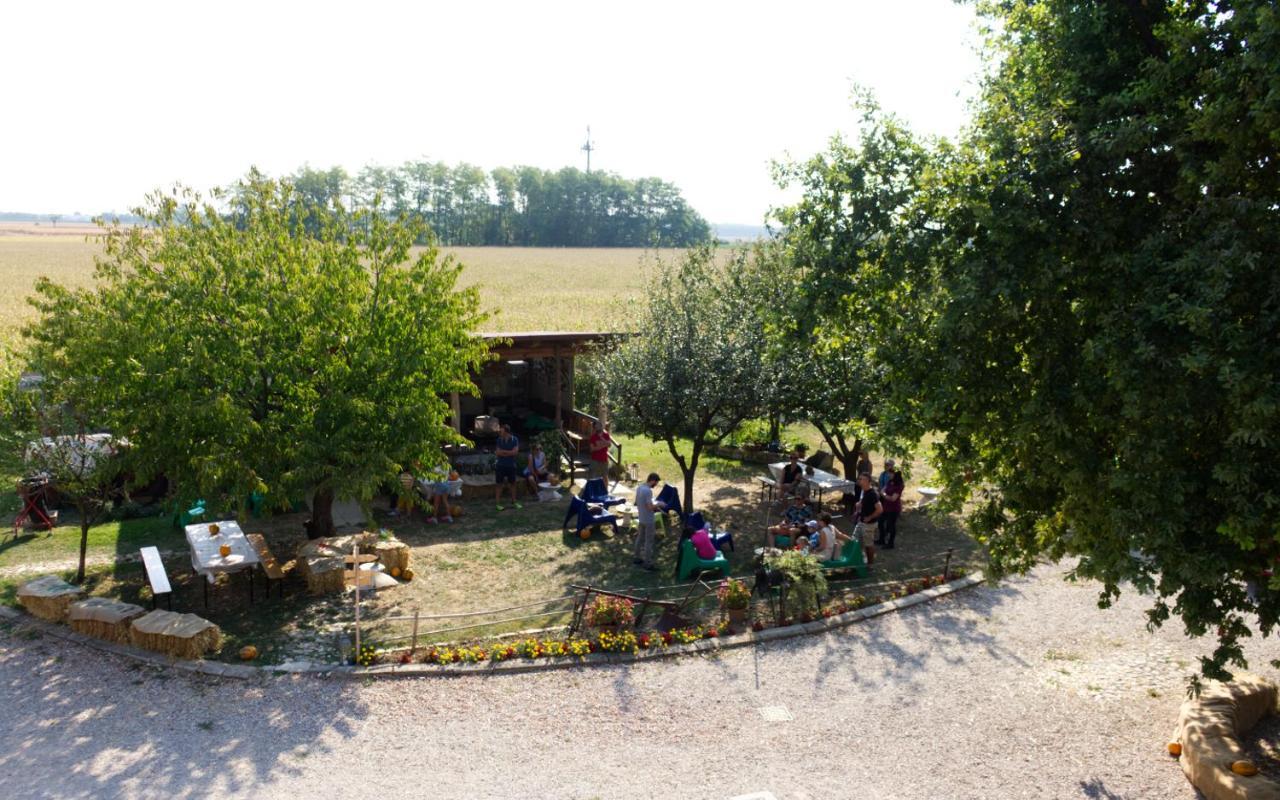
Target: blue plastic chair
pixel 671 498
pixel 585 518
pixel 695 522
pixel 596 491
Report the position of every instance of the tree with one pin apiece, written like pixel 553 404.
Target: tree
pixel 243 353
pixel 840 289
pixel 692 366
pixel 1105 303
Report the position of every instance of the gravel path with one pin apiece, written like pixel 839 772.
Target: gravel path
pixel 1021 690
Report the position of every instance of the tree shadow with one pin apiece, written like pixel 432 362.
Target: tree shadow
pixel 187 735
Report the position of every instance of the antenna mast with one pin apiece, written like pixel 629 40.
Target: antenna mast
pixel 588 148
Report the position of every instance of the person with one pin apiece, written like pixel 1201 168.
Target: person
pixel 792 474
pixel 599 444
pixel 829 537
pixel 435 487
pixel 883 482
pixel 864 463
pixel 868 510
pixel 793 520
pixel 892 502
pixel 404 497
pixel 886 474
pixel 504 469
pixel 702 544
pixel 535 470
pixel 646 522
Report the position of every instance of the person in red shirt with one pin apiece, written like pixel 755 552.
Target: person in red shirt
pixel 599 444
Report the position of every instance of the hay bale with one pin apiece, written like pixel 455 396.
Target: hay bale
pixel 1209 728
pixel 322 573
pixel 49 597
pixel 177 635
pixel 393 554
pixel 103 618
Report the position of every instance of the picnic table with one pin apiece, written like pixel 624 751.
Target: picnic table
pixel 820 481
pixel 206 555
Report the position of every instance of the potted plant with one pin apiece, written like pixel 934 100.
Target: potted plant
pixel 735 600
pixel 608 614
pixel 808 583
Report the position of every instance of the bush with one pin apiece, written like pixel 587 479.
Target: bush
pixel 807 581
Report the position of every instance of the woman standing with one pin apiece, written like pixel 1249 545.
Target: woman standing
pixel 892 501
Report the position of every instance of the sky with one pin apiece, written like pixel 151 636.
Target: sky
pixel 105 102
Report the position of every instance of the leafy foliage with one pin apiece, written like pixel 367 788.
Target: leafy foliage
pixel 808 583
pixel 244 353
pixel 694 367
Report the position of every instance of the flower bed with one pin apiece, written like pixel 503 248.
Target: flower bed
pixel 625 641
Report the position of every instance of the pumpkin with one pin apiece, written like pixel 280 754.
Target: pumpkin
pixel 248 653
pixel 1245 768
pixel 407 574
pixel 453 476
pixel 213 529
pixel 585 533
pixel 395 572
pixel 1175 749
pixel 455 511
pixel 224 550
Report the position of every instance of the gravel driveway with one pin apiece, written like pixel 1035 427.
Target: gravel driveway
pixel 1021 690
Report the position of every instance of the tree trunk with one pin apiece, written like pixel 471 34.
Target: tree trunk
pixel 84 544
pixel 321 522
pixel 775 428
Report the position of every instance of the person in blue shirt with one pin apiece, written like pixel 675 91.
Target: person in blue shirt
pixel 504 468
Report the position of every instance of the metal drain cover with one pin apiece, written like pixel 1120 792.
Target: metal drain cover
pixel 775 714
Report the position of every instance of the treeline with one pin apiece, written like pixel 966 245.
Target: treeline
pixel 516 206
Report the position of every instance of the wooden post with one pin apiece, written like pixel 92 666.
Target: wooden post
pixel 555 359
pixel 946 569
pixel 355 567
pixel 413 648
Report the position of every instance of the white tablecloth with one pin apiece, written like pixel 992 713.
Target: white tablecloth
pixel 206 556
pixel 820 479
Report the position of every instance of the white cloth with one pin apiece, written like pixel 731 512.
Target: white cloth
pixel 820 479
pixel 206 555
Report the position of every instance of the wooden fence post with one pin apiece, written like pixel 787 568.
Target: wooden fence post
pixel 413 648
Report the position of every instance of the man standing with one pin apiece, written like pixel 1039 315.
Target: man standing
pixel 892 507
pixel 504 469
pixel 646 522
pixel 869 509
pixel 885 477
pixel 599 444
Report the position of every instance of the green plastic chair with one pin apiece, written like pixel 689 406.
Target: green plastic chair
pixel 691 565
pixel 850 558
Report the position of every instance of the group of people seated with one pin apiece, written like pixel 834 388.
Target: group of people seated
pixel 868 503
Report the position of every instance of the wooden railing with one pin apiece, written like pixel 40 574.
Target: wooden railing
pixel 582 424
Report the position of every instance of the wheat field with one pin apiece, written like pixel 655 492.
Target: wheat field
pixel 525 288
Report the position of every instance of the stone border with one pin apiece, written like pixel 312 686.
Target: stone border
pixel 513 666
pixel 1209 727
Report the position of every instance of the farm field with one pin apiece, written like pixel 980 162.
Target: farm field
pixel 527 288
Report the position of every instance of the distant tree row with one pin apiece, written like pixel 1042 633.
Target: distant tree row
pixel 515 206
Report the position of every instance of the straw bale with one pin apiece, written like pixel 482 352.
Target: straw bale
pixel 49 597
pixel 323 573
pixel 393 553
pixel 177 635
pixel 103 618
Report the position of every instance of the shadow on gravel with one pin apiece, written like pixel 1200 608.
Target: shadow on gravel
pixel 1096 789
pixel 945 631
pixel 149 731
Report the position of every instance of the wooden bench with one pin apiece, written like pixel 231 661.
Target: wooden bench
pixel 270 566
pixel 766 484
pixel 156 576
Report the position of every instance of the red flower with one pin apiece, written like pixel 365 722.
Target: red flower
pixel 757 626
pixel 711 634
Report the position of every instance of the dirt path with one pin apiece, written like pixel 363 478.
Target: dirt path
pixel 1022 690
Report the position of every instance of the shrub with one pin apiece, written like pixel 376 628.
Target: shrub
pixel 605 610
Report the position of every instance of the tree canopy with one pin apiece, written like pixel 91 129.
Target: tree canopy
pixel 516 206
pixel 243 351
pixel 1088 303
pixel 693 366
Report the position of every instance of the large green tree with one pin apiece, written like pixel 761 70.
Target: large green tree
pixel 262 348
pixel 693 367
pixel 1106 304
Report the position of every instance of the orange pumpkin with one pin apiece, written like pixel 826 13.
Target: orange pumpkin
pixel 395 572
pixel 585 533
pixel 248 653
pixel 1175 749
pixel 455 511
pixel 1245 768
pixel 407 575
pixel 213 529
pixel 453 476
pixel 224 550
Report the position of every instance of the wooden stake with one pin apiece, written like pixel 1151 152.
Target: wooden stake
pixel 414 647
pixel 355 553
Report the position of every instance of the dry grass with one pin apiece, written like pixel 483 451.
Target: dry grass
pixel 527 288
